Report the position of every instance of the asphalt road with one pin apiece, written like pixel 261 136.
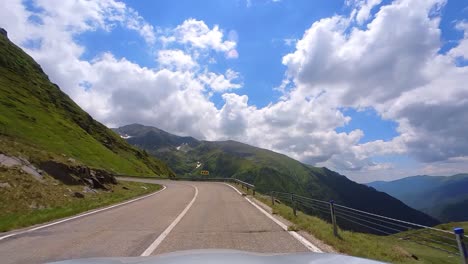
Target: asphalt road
pixel 218 218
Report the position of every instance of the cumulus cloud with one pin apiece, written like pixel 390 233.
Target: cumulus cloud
pixel 392 65
pixel 80 16
pixel 221 82
pixel 461 50
pixel 362 9
pixel 175 59
pixel 197 34
pixel 389 62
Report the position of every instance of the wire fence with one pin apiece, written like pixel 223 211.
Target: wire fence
pixel 347 218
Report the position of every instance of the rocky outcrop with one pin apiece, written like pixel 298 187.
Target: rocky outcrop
pixel 78 175
pixel 5 185
pixel 23 164
pixel 67 174
pixel 78 195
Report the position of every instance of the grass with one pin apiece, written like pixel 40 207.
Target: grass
pixel 29 201
pixel 383 248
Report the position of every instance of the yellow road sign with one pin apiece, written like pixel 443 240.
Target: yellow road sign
pixel 204 172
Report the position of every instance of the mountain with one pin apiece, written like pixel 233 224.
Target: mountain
pixel 41 123
pixel 266 169
pixel 153 137
pixel 443 197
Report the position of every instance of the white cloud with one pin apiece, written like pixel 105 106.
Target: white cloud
pixel 175 59
pixel 232 54
pixel 80 16
pixel 392 66
pixel 289 41
pixel 363 9
pixel 461 50
pixel 220 82
pixel 136 22
pixel 197 34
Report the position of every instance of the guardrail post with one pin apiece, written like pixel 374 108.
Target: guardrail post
pixel 293 204
pixel 253 191
pixel 461 244
pixel 333 217
pixel 272 199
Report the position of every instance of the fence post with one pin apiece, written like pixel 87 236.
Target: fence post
pixel 272 199
pixel 253 191
pixel 293 204
pixel 461 245
pixel 333 217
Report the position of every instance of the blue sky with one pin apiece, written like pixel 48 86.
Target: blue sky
pixel 352 85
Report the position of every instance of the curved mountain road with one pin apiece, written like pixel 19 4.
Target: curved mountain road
pixel 186 215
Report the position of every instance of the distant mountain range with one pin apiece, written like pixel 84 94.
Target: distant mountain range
pixel 266 169
pixel 443 197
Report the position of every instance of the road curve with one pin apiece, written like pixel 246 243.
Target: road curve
pixel 218 218
pixel 221 218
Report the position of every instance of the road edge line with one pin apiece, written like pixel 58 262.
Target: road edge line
pixel 166 232
pixel 94 211
pixel 294 234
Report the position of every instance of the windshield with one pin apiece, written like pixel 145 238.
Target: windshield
pixel 237 130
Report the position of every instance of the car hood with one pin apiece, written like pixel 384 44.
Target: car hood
pixel 226 257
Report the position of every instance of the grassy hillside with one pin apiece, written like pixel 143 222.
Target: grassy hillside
pixel 390 248
pixel 443 197
pixel 32 202
pixel 269 171
pixel 41 122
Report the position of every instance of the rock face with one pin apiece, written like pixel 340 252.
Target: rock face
pixel 69 175
pixel 8 161
pixel 24 164
pixel 3 32
pixel 5 185
pixel 78 175
pixel 78 195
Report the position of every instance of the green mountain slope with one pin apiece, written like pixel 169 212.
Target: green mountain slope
pixel 266 169
pixel 442 197
pixel 40 122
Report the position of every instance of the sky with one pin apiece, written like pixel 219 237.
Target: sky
pixel 374 89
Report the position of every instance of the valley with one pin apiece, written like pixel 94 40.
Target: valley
pixel 443 197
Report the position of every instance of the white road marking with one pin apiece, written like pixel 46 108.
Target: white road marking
pixel 166 232
pixel 296 235
pixel 81 215
pixel 234 188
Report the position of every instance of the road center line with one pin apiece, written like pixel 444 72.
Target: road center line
pixel 294 234
pixel 166 232
pixel 81 215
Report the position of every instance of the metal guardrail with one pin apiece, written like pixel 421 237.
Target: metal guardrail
pixel 344 217
pixel 245 185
